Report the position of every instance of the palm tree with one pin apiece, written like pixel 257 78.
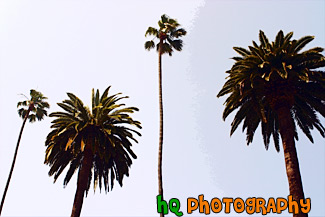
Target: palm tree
pixel 32 109
pixel 278 86
pixel 167 34
pixel 97 141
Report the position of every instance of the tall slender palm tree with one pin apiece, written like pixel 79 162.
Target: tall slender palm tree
pixel 167 34
pixel 32 109
pixel 278 86
pixel 96 141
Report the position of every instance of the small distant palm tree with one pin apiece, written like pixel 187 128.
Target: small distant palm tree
pixel 167 34
pixel 32 109
pixel 278 86
pixel 95 142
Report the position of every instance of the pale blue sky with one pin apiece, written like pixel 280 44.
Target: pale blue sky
pixel 73 46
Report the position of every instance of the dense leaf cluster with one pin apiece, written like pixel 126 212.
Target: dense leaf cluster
pixel 167 34
pixel 35 107
pixel 104 128
pixel 269 76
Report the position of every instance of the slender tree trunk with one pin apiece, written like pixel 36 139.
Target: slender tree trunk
pixel 83 178
pixel 14 159
pixel 286 126
pixel 160 182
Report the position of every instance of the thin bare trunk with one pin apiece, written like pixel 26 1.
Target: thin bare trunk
pixel 14 159
pixel 82 183
pixel 160 182
pixel 286 126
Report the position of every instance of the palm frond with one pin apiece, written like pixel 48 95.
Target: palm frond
pixel 302 43
pixel 149 45
pixel 151 31
pixel 178 33
pixel 242 51
pixel 176 44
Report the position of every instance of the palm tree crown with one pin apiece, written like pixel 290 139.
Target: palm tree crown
pixel 102 130
pixel 273 75
pixel 168 34
pixel 36 105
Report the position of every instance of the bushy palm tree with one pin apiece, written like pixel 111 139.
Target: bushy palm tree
pixel 167 34
pixel 279 86
pixel 32 109
pixel 97 142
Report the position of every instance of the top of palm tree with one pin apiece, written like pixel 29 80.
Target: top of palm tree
pixel 35 104
pixel 105 128
pixel 271 75
pixel 168 34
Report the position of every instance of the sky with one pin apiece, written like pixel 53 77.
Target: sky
pixel 73 46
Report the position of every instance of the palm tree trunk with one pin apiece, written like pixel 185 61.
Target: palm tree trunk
pixel 160 182
pixel 286 126
pixel 83 178
pixel 14 159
